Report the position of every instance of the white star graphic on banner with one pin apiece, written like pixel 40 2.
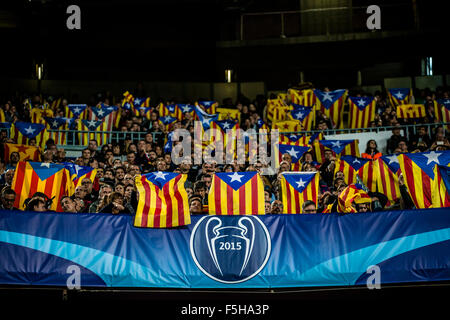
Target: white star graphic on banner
pixel 399 95
pixel 235 177
pixel 432 157
pixel 300 183
pixel 327 96
pixel 160 175
pixel 30 130
pixel 293 153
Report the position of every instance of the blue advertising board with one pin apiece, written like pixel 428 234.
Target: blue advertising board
pixel 271 251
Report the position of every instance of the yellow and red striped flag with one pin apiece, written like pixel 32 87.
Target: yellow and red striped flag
pixel 51 179
pixel 78 173
pixel 305 115
pixel 58 125
pixel 237 193
pixel 331 104
pixel 352 194
pixel 208 106
pixel 296 153
pixel 338 147
pixel 294 139
pixel 443 114
pixel 22 132
pixel 38 115
pixel 361 111
pixel 398 96
pixel 229 114
pixel 387 183
pixel 298 187
pixel 304 97
pixel 26 153
pixel 411 111
pixel 352 166
pixel 272 105
pixel 163 200
pixel 421 176
pixel 92 130
pixel 288 126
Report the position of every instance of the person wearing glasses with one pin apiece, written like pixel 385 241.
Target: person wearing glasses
pixel 8 197
pixel 309 207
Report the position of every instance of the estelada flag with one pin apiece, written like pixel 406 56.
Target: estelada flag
pixel 303 114
pixel 26 153
pixel 352 194
pixel 237 193
pixel 296 153
pixel 22 132
pixel 77 111
pixel 331 104
pixel 51 179
pixel 422 177
pixel 78 173
pixel 163 200
pixel 361 111
pixel 387 182
pixel 398 96
pixel 288 126
pixel 411 111
pixel 92 130
pixel 298 187
pixel 338 147
pixel 352 166
pixel 208 106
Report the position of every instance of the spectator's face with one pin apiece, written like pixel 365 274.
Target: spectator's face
pixel 100 173
pixel 141 146
pixel 14 157
pixel 109 174
pixel 8 200
pixel 195 207
pixel 119 189
pixel 363 207
pixel 80 192
pixel 105 191
pixel 128 192
pixel 201 192
pixel 109 154
pixel 372 144
pixel 277 206
pixel 161 166
pixel 40 207
pixel 422 131
pixel 152 155
pixel 267 207
pixel 131 157
pixel 402 145
pixel 120 174
pixel 68 205
pixel 207 181
pixel 9 175
pixel 116 150
pixel 310 209
pixel 87 184
pixel 79 204
pixel 328 155
pixel 189 192
pixel 86 154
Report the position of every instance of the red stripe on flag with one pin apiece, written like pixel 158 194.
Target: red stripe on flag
pixel 145 210
pixel 426 189
pixel 180 202
pixel 242 200
pixel 229 199
pixel 217 194
pixel 288 196
pixel 19 183
pixel 157 215
pixel 255 192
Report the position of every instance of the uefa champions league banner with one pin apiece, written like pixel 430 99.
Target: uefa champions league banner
pixel 225 251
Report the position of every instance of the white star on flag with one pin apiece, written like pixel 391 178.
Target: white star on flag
pixel 300 183
pixel 76 110
pixel 432 157
pixel 186 109
pixel 356 161
pixel 160 175
pixel 30 130
pixel 293 153
pixel 78 168
pixel 361 102
pixel 100 112
pixel 55 124
pixel 45 164
pixel 236 177
pixel 299 115
pixel 336 144
pixel 327 96
pixel 392 159
pixel 137 101
pixel 226 125
pixel 207 103
pixel 399 95
pixel 92 124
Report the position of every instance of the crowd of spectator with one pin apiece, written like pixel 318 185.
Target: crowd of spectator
pixel 113 189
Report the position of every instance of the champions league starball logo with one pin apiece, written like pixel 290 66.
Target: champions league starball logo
pixel 230 249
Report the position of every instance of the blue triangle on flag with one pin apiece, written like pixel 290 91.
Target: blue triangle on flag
pixel 101 113
pixel 92 125
pixel 167 119
pixel 55 123
pixel 236 179
pixel 226 124
pixel 160 178
pixel 392 162
pixel 45 170
pixel 28 129
pixel 328 98
pixel 77 109
pixel 427 160
pixel 399 93
pixel 296 152
pixel 355 162
pixel 299 180
pixel 445 103
pixel 336 145
pixel 171 108
pixel 186 108
pixel 300 112
pixel 361 102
